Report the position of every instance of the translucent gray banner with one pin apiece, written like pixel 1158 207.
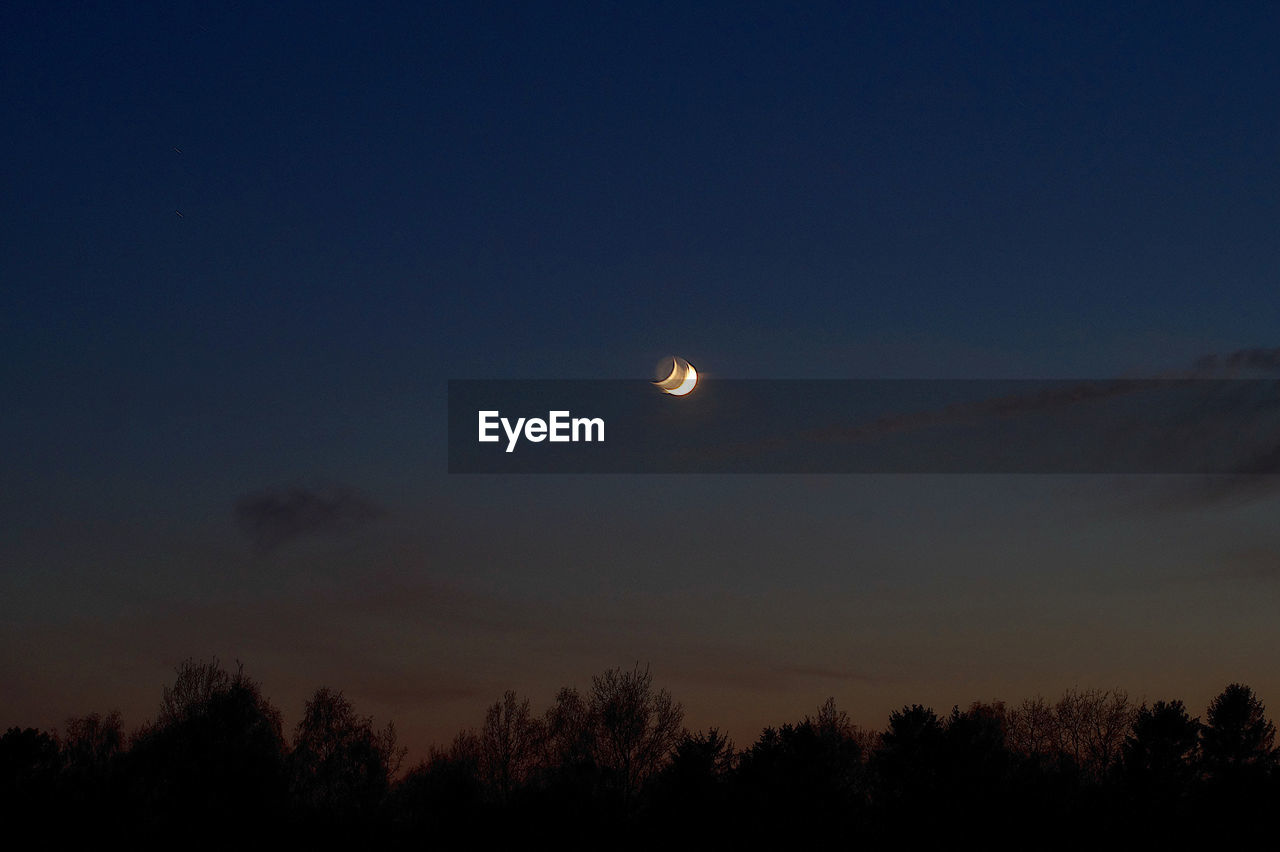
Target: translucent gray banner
pixel 1140 426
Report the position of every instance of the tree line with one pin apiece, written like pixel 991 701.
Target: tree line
pixel 614 766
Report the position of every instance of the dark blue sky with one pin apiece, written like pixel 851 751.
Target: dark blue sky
pixel 244 246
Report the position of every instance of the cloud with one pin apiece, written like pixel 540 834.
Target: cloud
pixel 1223 424
pixel 739 667
pixel 1220 491
pixel 827 673
pixel 1048 399
pixel 274 517
pixel 1256 358
pixel 1057 395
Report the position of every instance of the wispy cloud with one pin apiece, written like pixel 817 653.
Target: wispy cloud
pixel 1221 420
pixel 1253 359
pixel 276 516
pixel 741 668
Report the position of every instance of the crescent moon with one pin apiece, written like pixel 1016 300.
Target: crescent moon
pixel 682 379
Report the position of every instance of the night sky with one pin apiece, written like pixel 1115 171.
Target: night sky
pixel 243 247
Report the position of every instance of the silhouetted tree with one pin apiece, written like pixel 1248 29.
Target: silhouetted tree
pixel 93 748
pixel 569 769
pixel 1160 753
pixel 910 750
pixel 340 768
pixel 635 728
pixel 691 791
pixel 1032 731
pixel 1237 759
pixel 215 749
pixel 700 760
pixel 978 759
pixel 194 690
pixel 442 798
pixel 30 761
pixel 568 726
pixel 952 775
pixel 803 778
pixel 1238 741
pixel 1090 728
pixel 510 742
pixel 91 742
pixel 1045 782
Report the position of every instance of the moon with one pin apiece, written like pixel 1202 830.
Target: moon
pixel 681 379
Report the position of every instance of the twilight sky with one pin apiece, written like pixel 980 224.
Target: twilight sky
pixel 244 247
